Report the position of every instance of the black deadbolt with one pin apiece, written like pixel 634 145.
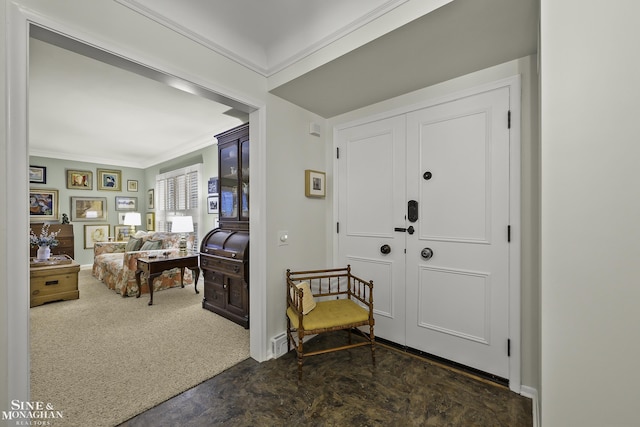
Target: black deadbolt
pixel 427 175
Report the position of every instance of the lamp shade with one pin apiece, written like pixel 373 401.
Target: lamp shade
pixel 182 224
pixel 132 218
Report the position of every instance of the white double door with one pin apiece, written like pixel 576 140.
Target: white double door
pixel 441 270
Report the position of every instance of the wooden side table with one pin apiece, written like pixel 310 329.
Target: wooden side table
pixel 54 280
pixel 153 267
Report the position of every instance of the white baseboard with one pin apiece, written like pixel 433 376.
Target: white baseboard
pixel 532 394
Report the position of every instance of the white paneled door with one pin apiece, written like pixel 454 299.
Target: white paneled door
pixel 441 267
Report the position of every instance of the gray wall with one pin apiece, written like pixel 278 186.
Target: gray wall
pixel 57 180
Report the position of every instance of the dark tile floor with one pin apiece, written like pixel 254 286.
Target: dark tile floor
pixel 342 389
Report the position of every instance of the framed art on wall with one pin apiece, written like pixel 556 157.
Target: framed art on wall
pixel 109 179
pixel 121 232
pixel 151 221
pixel 79 180
pixel 95 233
pixel 150 200
pixel 212 204
pixel 43 205
pixel 314 183
pixel 132 185
pixel 126 203
pixel 37 174
pixel 89 209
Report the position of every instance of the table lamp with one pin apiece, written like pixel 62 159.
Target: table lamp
pixel 184 225
pixel 132 219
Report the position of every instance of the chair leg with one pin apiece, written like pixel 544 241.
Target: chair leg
pixel 300 355
pixel 373 345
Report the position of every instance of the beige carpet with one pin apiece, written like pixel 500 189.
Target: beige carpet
pixel 102 359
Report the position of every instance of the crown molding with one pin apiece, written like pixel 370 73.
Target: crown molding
pixel 263 69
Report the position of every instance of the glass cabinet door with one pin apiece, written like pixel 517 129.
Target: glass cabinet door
pixel 244 179
pixel 229 182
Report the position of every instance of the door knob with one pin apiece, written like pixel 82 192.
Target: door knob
pixel 385 249
pixel 426 253
pixel 410 230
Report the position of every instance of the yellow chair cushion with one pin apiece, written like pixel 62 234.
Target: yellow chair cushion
pixel 329 314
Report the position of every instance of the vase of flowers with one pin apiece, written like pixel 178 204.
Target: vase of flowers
pixel 44 241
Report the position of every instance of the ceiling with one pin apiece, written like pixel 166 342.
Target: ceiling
pixel 82 108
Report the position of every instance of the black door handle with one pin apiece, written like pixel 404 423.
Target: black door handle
pixel 410 230
pixel 412 211
pixel 385 249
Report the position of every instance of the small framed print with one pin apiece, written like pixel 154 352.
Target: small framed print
pixel 151 221
pixel 121 232
pixel 43 205
pixel 126 203
pixel 213 186
pixel 37 174
pixel 109 179
pixel 95 233
pixel 212 204
pixel 314 183
pixel 132 185
pixel 150 200
pixel 79 180
pixel 89 209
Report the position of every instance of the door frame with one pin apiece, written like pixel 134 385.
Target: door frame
pixel 514 85
pixel 19 21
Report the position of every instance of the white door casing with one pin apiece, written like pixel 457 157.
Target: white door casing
pixel 477 306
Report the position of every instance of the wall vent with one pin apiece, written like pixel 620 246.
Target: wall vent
pixel 279 345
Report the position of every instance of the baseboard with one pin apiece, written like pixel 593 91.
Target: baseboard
pixel 532 393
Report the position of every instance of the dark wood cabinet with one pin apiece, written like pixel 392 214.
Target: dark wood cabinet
pixel 65 237
pixel 224 251
pixel 233 172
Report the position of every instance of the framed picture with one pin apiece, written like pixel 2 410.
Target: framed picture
pixel 89 209
pixel 124 203
pixel 121 216
pixel 43 205
pixel 150 200
pixel 212 204
pixel 132 185
pixel 314 183
pixel 95 233
pixel 151 221
pixel 109 179
pixel 79 180
pixel 121 232
pixel 37 174
pixel 213 186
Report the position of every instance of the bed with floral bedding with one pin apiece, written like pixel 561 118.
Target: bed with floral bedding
pixel 115 263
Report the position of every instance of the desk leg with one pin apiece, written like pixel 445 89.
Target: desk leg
pixel 138 274
pixel 150 281
pixel 182 277
pixel 196 274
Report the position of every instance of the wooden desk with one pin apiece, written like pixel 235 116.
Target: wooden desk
pixel 153 267
pixel 53 280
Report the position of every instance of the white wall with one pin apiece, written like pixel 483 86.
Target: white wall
pixel 291 150
pixel 4 243
pixel 590 213
pixel 526 68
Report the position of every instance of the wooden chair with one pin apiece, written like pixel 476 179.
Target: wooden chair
pixel 327 300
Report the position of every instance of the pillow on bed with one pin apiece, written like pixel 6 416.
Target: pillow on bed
pixel 133 244
pixel 150 245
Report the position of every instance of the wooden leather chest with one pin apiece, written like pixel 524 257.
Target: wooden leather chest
pixel 54 283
